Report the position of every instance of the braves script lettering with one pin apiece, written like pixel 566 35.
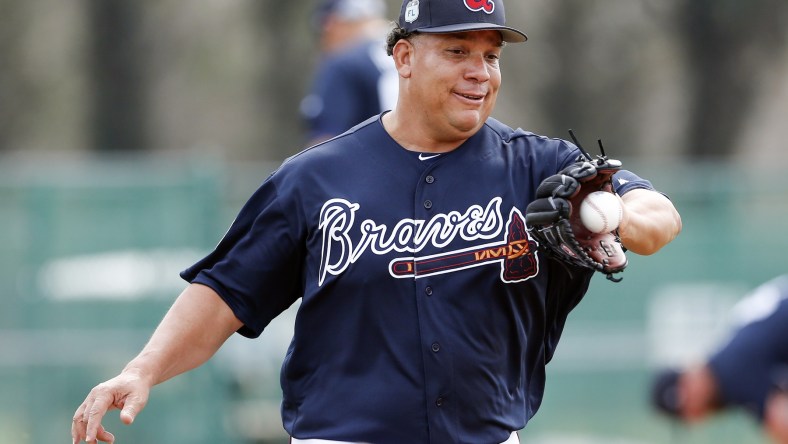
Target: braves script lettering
pixel 408 235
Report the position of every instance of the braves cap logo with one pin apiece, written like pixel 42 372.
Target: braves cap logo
pixel 480 5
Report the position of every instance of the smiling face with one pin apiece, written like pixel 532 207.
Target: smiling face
pixel 450 82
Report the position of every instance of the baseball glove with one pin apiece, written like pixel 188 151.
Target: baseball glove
pixel 553 219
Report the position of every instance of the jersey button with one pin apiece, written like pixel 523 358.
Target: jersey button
pixel 429 179
pixel 428 291
pixel 439 401
pixel 428 204
pixel 436 347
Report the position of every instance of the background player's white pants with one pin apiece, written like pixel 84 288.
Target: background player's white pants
pixel 513 439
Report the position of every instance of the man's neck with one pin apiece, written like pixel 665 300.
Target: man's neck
pixel 414 137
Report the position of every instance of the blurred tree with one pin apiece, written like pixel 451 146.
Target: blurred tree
pixel 14 86
pixel 592 85
pixel 560 97
pixel 287 53
pixel 647 76
pixel 118 82
pixel 728 45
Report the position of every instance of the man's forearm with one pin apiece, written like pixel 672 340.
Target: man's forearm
pixel 650 222
pixel 194 328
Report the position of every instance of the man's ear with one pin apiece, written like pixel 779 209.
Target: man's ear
pixel 402 53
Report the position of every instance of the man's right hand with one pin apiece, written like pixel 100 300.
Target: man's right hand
pixel 127 392
pixel 180 343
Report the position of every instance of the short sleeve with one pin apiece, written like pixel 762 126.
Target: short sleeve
pixel 256 267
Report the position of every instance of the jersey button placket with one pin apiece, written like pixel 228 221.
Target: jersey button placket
pixel 437 358
pixel 429 180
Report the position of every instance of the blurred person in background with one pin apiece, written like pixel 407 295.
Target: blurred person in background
pixel 749 371
pixel 354 79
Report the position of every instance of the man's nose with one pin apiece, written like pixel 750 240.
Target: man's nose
pixel 478 69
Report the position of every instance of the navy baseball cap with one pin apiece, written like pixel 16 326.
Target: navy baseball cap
pixel 446 16
pixel 665 392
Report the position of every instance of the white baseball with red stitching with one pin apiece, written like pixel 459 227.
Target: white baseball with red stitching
pixel 601 212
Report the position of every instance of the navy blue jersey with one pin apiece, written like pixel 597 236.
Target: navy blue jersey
pixel 349 88
pixel 427 314
pixel 755 359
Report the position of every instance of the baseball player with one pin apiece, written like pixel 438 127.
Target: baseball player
pixel 750 371
pixel 354 79
pixel 427 311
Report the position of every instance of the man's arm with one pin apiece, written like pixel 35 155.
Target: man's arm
pixel 776 416
pixel 194 328
pixel 649 223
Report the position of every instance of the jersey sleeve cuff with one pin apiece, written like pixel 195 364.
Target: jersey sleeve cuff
pixel 236 306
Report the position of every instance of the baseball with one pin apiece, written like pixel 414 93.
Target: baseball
pixel 601 212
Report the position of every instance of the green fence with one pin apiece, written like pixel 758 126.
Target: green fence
pixel 89 255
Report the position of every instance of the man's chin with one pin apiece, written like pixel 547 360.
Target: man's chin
pixel 469 121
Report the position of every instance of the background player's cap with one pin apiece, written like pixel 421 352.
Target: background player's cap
pixel 665 392
pixel 348 10
pixel 445 16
